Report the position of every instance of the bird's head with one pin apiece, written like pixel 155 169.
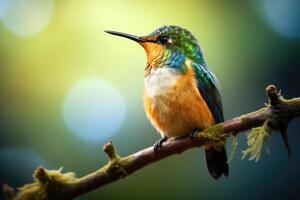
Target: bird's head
pixel 168 46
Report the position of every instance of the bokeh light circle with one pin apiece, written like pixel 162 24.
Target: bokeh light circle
pixel 26 17
pixel 17 165
pixel 283 16
pixel 94 110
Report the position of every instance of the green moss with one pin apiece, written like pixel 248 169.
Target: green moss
pixel 213 135
pixel 47 185
pixel 116 168
pixel 255 140
pixel 233 149
pixel 294 106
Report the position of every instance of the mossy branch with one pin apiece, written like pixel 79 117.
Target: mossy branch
pixel 55 185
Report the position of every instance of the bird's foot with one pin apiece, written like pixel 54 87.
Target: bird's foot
pixel 194 135
pixel 159 143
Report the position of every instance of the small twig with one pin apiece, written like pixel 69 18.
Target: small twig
pixel 284 135
pixel 7 191
pixel 273 95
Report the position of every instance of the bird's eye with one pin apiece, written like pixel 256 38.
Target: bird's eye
pixel 163 40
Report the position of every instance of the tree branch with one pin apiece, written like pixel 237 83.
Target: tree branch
pixel 53 184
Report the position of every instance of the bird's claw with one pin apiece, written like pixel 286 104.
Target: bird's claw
pixel 194 135
pixel 159 143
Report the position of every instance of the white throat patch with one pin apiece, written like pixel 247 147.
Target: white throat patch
pixel 160 80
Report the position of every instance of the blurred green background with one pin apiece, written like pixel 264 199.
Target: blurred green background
pixel 66 88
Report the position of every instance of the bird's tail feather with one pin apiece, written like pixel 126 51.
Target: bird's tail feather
pixel 216 161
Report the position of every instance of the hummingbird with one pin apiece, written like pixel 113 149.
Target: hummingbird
pixel 181 94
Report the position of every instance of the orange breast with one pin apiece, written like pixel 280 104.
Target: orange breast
pixel 180 109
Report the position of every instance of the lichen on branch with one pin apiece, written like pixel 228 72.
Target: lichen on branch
pixel 258 137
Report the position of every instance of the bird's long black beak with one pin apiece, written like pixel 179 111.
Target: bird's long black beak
pixel 125 35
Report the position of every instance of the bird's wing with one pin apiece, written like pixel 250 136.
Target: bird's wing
pixel 208 87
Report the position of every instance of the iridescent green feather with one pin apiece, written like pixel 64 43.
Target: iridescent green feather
pixel 184 41
pixel 185 46
pixel 209 89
